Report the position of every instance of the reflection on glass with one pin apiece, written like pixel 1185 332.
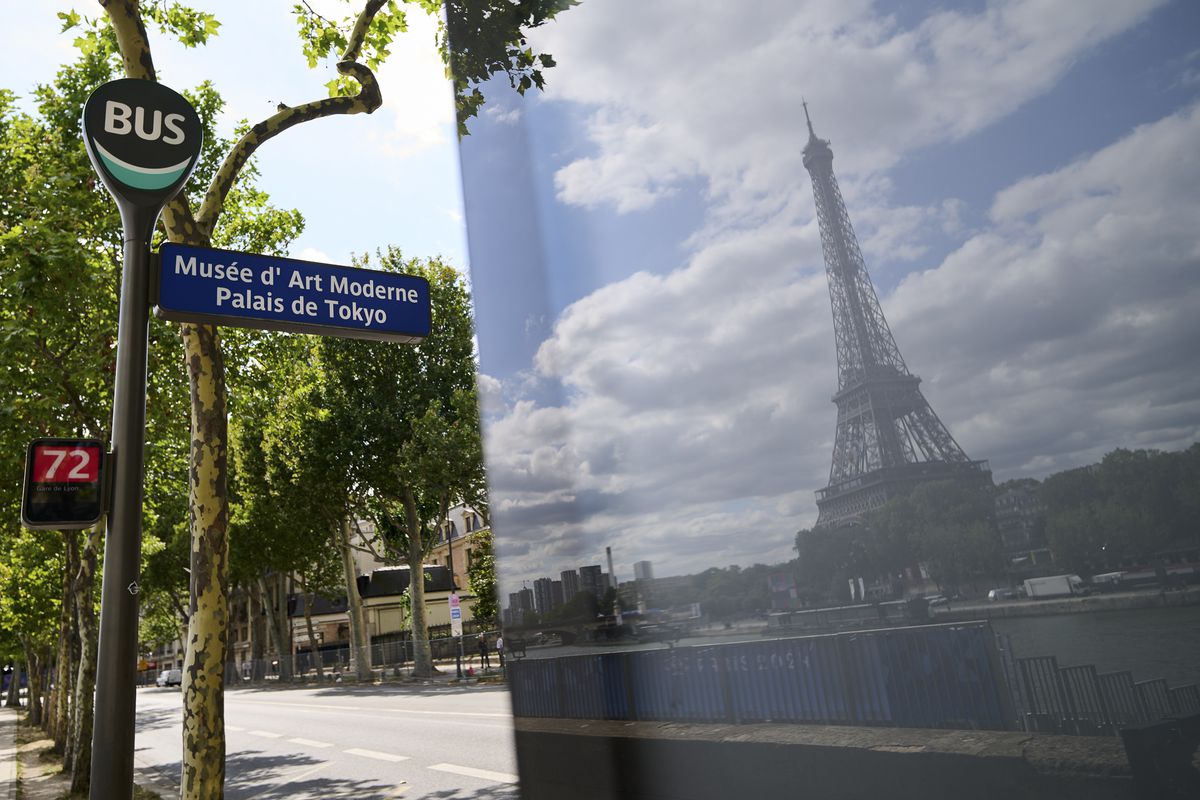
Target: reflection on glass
pixel 999 200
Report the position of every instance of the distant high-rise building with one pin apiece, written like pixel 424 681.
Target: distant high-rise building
pixel 556 594
pixel 643 571
pixel 888 438
pixel 592 581
pixel 520 605
pixel 570 584
pixel 542 603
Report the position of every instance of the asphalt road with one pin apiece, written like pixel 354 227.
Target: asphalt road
pixel 367 743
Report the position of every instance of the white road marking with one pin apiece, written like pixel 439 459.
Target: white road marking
pixel 471 772
pixel 310 742
pixel 265 734
pixel 233 728
pixel 355 751
pixel 375 710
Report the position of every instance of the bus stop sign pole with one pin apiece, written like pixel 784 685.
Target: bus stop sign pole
pixel 144 141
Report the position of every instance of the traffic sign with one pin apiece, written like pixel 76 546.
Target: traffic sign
pixel 455 616
pixel 63 484
pixel 201 284
pixel 143 139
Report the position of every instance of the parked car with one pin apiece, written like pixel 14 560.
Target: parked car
pixel 1005 594
pixel 169 677
pixel 937 599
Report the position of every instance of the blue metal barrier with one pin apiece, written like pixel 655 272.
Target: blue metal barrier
pixel 1156 696
pixel 786 680
pixel 1124 702
pixel 1185 700
pixel 936 676
pixel 1090 714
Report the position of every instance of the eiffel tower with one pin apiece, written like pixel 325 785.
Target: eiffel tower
pixel 888 437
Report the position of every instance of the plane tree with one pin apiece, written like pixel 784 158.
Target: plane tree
pixel 410 420
pixel 60 254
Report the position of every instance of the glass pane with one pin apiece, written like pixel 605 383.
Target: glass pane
pixel 838 364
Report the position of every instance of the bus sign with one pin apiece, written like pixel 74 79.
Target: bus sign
pixel 63 484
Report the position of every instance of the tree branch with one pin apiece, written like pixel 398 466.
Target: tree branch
pixel 126 20
pixel 72 396
pixel 358 35
pixel 366 101
pixel 368 545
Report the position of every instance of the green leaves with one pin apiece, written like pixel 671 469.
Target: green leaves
pixel 477 40
pixel 483 38
pixel 69 19
pixel 1130 505
pixel 481 578
pixel 322 38
pixel 189 26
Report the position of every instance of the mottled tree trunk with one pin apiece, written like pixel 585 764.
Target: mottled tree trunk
pixel 33 663
pixel 313 645
pixel 57 724
pixel 203 773
pixel 422 653
pixel 360 645
pixel 13 700
pixel 69 658
pixel 84 706
pixel 276 614
pixel 258 633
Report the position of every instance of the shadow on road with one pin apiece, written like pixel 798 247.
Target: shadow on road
pixel 253 774
pixel 266 777
pixel 149 719
pixel 490 793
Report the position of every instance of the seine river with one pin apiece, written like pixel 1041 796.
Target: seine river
pixel 1151 642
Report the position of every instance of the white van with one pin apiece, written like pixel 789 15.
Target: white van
pixel 169 677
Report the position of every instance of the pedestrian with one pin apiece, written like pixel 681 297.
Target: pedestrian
pixel 500 650
pixel 484 660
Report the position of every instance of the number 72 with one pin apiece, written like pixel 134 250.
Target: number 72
pixel 59 454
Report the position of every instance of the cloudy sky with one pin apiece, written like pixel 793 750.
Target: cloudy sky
pixel 654 320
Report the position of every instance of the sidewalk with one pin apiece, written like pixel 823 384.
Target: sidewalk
pixel 8 753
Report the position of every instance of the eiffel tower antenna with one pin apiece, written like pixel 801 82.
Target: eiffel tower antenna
pixel 888 438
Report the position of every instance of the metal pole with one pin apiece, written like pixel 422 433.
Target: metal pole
pixel 116 661
pixel 453 589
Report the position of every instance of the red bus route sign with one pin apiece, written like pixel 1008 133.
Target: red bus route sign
pixel 64 481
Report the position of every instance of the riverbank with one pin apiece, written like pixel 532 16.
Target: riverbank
pixel 1118 601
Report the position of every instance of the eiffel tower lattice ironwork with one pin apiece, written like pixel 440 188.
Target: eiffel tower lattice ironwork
pixel 888 437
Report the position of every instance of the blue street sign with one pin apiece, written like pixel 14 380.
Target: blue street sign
pixel 200 284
